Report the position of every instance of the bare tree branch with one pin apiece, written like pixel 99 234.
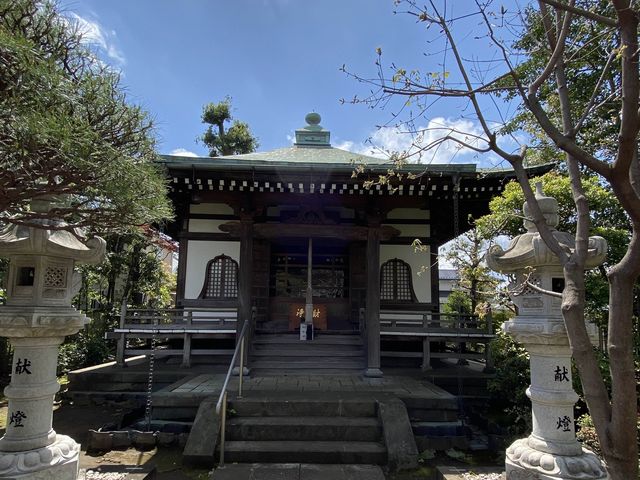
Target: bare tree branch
pixel 583 13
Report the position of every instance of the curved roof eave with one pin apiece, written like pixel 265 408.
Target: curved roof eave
pixel 271 161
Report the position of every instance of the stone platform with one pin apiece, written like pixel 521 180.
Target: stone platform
pixel 297 471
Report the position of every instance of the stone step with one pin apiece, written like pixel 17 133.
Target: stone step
pixel 319 340
pixel 277 372
pixel 431 415
pixel 84 397
pixel 306 452
pixel 441 400
pixel 296 471
pixel 174 413
pixel 357 429
pixel 296 363
pixel 279 352
pixel 439 428
pixel 303 407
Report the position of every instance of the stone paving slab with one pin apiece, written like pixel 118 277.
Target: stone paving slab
pixel 297 471
pixel 118 472
pixel 399 385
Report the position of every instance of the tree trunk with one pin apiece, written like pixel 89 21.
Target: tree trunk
pixel 621 453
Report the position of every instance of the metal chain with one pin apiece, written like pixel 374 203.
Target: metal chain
pixel 152 358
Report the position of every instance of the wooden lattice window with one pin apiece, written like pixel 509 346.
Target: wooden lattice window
pixel 396 282
pixel 221 278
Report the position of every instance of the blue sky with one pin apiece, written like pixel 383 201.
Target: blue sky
pixel 277 59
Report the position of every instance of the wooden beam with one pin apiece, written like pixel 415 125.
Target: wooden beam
pixel 279 230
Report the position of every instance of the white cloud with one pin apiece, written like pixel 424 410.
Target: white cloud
pixel 427 144
pixel 183 152
pixel 95 34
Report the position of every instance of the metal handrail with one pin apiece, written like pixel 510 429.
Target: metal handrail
pixel 221 406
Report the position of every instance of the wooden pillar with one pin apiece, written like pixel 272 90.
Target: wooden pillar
pixel 182 265
pixel 122 339
pixel 245 279
pixel 373 302
pixel 308 307
pixel 426 354
pixel 435 277
pixel 186 341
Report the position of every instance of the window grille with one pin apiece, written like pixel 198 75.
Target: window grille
pixel 221 278
pixel 396 282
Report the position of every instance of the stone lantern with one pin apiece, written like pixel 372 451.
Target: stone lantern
pixel 551 451
pixel 36 318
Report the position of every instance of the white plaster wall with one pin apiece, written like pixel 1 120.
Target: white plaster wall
pixel 211 208
pixel 409 213
pixel 208 226
pixel 199 252
pixel 422 282
pixel 413 230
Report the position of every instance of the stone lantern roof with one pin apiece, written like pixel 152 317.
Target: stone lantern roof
pixel 529 249
pixel 52 242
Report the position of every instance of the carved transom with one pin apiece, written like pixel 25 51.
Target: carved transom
pixel 55 277
pixel 310 216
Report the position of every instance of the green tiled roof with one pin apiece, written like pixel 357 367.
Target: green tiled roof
pixel 312 152
pixel 294 154
pixel 302 157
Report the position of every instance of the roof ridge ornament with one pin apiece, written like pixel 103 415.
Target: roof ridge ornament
pixel 313 135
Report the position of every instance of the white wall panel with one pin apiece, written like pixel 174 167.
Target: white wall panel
pixel 199 252
pixel 211 208
pixel 409 213
pixel 417 260
pixel 207 226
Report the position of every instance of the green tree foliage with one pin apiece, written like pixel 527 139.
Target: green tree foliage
pixel 509 404
pixel 67 129
pixel 237 139
pixel 133 273
pixel 608 220
pixel 458 302
pixel 589 46
pixel 466 254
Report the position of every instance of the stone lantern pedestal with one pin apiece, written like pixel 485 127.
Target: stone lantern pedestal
pixel 551 452
pixel 37 317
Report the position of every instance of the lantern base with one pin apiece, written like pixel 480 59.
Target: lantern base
pixel 526 463
pixel 58 461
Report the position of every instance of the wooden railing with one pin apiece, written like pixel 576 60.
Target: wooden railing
pixel 444 324
pixel 186 323
pixel 454 330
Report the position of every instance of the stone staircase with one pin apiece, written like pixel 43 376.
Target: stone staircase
pixel 328 354
pixel 305 430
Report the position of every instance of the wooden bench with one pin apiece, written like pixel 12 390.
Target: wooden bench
pixel 436 327
pixel 185 323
